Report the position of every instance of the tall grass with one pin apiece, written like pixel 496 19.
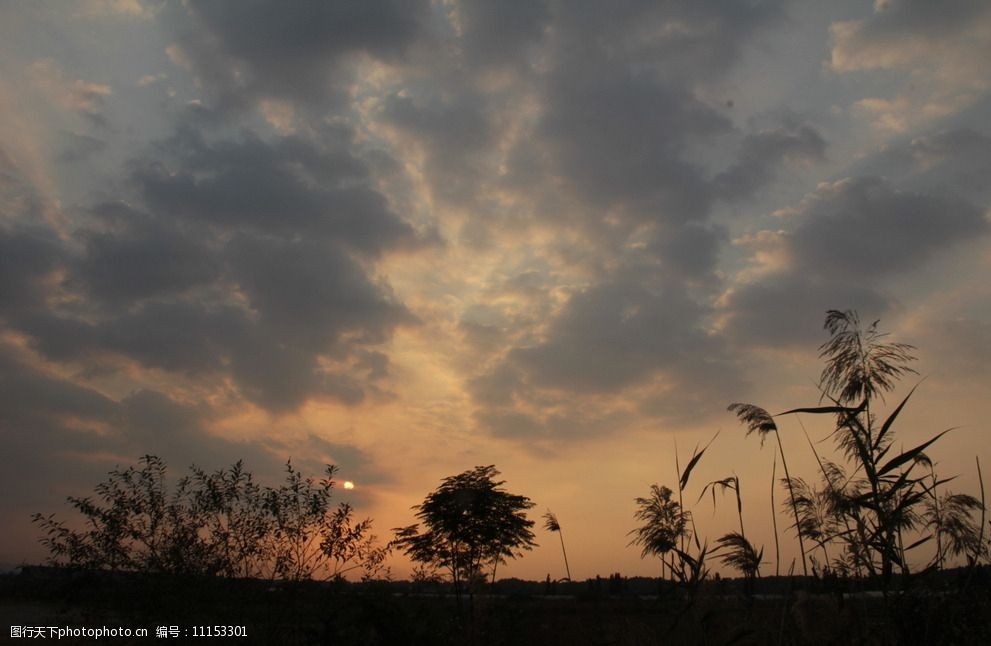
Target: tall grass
pixel 867 510
pixel 551 524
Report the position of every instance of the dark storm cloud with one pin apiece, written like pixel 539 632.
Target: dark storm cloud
pixel 956 160
pixel 45 422
pixel 286 187
pixel 328 293
pixel 848 235
pixel 898 22
pixel 28 256
pixel 182 337
pixel 761 153
pixel 455 130
pixel 688 250
pixel 787 309
pixel 306 301
pixel 681 38
pixel 607 340
pixel 40 412
pixel 138 256
pixel 619 138
pixel 863 227
pixel 612 335
pixel 513 425
pixel 495 33
pixel 30 397
pixel 294 51
pixel 159 286
pixel 620 114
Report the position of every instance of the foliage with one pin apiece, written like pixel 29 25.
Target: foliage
pixel 859 364
pixel 664 523
pixel 665 528
pixel 758 420
pixel 219 523
pixel 871 507
pixel 470 523
pixel 739 554
pixel 950 517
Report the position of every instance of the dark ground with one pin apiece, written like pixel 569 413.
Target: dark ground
pixel 952 608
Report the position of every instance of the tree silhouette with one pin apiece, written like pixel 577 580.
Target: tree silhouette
pixel 219 523
pixel 470 523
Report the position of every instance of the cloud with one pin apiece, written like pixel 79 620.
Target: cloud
pixel 137 256
pixel 61 438
pixel 760 153
pixel 910 33
pixel 941 46
pixel 787 308
pixel 284 187
pixel 246 51
pixel 953 160
pixel 863 227
pixel 624 345
pixel 847 237
pixel 84 98
pixel 305 305
pixel 619 139
pixel 498 33
pixel 611 336
pixel 682 39
pixel 250 261
pixel 332 309
pixel 28 257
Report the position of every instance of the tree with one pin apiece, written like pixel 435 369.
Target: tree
pixel 219 523
pixel 664 523
pixel 470 523
pixel 310 538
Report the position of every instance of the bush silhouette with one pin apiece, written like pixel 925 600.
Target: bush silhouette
pixel 220 523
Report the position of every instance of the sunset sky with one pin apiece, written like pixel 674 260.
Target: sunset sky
pixel 411 237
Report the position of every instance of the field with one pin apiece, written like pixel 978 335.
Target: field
pixel 954 608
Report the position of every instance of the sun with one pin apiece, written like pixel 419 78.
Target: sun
pixel 348 484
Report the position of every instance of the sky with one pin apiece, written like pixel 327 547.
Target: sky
pixel 410 237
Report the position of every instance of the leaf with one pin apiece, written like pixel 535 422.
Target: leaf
pixel 818 410
pixel 902 458
pixel 919 542
pixel 697 455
